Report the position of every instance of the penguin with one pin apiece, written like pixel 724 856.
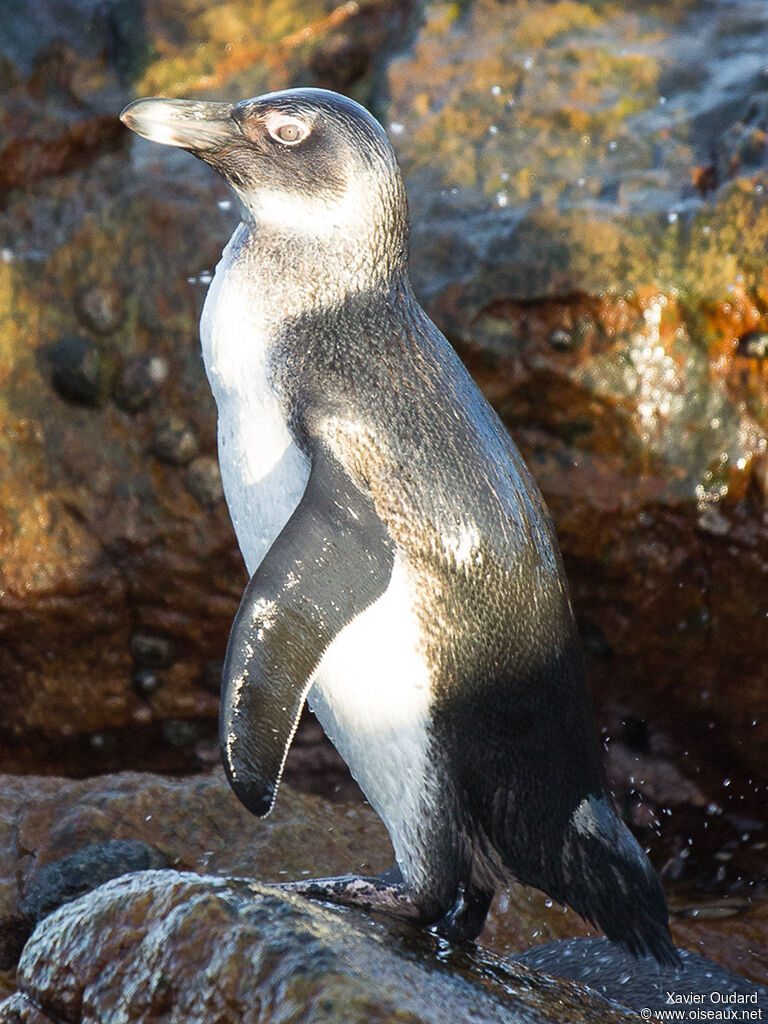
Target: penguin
pixel 405 578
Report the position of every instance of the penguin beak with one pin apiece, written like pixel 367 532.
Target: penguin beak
pixel 188 124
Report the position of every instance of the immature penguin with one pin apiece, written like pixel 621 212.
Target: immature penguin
pixel 404 574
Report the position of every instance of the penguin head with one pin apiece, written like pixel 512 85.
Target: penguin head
pixel 302 161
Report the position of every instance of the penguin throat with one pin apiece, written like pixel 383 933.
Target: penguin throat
pixel 359 232
pixel 301 273
pixel 294 213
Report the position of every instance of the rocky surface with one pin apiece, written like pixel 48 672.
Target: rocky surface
pixel 194 824
pixel 190 948
pixel 51 828
pixel 642 983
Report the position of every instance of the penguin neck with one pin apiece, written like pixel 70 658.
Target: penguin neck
pixel 298 274
pixel 270 285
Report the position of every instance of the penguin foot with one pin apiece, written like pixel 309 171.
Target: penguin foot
pixel 465 920
pixel 381 895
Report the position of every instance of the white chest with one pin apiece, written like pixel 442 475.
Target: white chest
pixel 263 471
pixel 372 694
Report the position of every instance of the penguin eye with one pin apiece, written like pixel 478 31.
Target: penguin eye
pixel 289 132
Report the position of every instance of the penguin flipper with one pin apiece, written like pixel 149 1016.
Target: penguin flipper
pixel 332 559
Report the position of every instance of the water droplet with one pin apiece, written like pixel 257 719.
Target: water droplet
pixel 672 216
pixel 496 90
pixel 493 130
pixel 396 128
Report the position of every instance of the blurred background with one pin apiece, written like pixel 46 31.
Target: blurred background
pixel 588 185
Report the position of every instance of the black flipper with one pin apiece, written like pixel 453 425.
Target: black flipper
pixel 332 560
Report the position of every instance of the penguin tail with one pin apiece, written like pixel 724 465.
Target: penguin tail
pixel 608 879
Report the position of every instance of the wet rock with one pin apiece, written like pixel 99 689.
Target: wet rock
pixel 561 340
pixel 211 675
pixel 577 216
pixel 639 981
pixel 197 824
pixel 140 381
pixel 81 371
pixel 15 929
pixel 72 23
pixel 159 932
pixel 175 442
pixel 180 732
pixel 80 872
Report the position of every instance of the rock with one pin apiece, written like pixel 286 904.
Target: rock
pixel 175 442
pixel 204 948
pixel 639 981
pixel 151 650
pixel 59 151
pixel 753 345
pixel 204 480
pixel 146 681
pixel 195 824
pixel 80 872
pixel 80 370
pixel 18 1010
pixel 52 826
pixel 141 381
pixel 101 308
